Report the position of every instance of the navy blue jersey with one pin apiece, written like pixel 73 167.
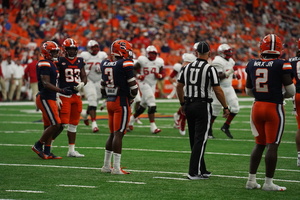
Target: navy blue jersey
pixel 295 62
pixel 266 79
pixel 69 72
pixel 115 75
pixel 48 68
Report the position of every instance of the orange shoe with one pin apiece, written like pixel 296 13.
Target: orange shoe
pixel 39 152
pixel 52 156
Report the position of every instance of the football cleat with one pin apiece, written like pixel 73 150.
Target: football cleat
pixel 75 154
pixel 207 173
pixel 176 120
pixel 181 132
pixel 39 152
pixel 273 187
pixel 86 122
pixel 119 171
pixel 197 177
pixel 210 134
pixel 95 129
pixel 137 120
pixel 130 127
pixel 156 131
pixel 106 169
pixel 225 129
pixel 52 156
pixel 252 185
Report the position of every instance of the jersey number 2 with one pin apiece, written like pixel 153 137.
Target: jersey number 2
pixel 261 81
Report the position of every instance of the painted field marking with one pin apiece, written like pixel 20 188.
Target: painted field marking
pixel 145 171
pixel 78 186
pixel 130 182
pixel 25 191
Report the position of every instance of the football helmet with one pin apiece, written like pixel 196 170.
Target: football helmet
pixel 93 47
pixel 225 51
pixel 50 50
pixel 122 48
pixel 151 52
pixel 70 48
pixel 188 57
pixel 271 44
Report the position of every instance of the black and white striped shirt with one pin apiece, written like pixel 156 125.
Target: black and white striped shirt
pixel 198 78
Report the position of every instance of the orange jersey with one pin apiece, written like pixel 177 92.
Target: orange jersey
pixel 268 119
pixel 70 109
pixel 49 109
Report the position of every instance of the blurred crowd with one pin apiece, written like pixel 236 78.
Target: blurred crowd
pixel 173 26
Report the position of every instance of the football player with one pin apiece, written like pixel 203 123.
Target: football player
pixel 148 69
pixel 119 85
pixel 265 78
pixel 47 74
pixel 225 66
pixel 92 57
pixel 72 75
pixel 179 117
pixel 295 62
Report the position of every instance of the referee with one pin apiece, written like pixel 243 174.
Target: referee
pixel 195 83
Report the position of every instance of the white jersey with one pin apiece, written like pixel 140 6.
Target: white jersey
pixel 223 65
pixel 148 68
pixel 177 67
pixel 92 64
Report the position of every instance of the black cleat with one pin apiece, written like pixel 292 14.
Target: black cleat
pixel 210 134
pixel 225 129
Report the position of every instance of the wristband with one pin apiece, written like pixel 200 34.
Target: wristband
pixel 225 108
pixel 182 104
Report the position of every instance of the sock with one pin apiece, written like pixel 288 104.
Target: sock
pixel 71 147
pixel 47 149
pixel 107 158
pixel 153 126
pixel 268 181
pixel 252 177
pixel 93 119
pixel 39 144
pixel 117 160
pixel 298 154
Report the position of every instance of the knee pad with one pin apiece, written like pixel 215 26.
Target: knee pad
pixel 72 128
pixel 151 109
pixel 140 110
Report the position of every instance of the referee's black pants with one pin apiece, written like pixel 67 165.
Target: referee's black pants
pixel 198 115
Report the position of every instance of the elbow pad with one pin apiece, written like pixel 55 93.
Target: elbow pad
pixel 249 92
pixel 290 91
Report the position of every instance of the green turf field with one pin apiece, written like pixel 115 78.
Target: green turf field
pixel 158 163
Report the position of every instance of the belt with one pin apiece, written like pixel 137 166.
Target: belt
pixel 203 100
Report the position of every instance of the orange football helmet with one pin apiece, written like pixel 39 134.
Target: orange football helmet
pixel 50 50
pixel 93 47
pixel 271 44
pixel 70 48
pixel 122 48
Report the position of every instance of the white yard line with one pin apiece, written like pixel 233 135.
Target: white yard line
pixel 145 171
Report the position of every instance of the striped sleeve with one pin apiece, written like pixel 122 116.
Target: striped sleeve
pixel 44 64
pixel 287 66
pixel 128 63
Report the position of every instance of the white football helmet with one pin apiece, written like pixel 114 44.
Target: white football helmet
pixel 188 57
pixel 225 51
pixel 93 47
pixel 151 52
